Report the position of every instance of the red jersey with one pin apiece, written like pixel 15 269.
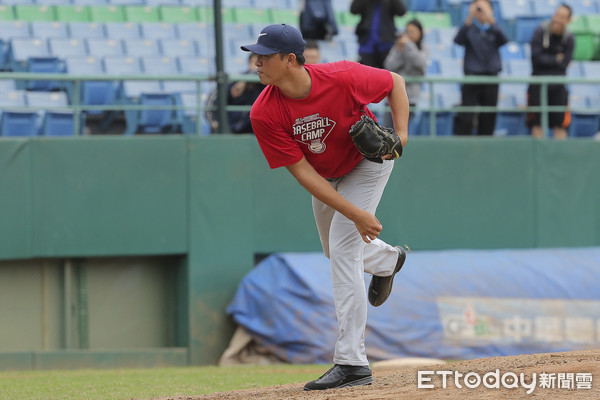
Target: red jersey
pixel 317 126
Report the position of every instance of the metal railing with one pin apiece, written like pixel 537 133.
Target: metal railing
pixel 77 108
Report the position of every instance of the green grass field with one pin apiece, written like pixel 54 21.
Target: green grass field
pixel 146 383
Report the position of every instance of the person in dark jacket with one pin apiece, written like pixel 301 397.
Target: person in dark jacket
pixel 239 93
pixel 376 30
pixel 317 20
pixel 482 40
pixel 552 48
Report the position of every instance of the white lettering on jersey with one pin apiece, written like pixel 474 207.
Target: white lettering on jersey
pixel 312 131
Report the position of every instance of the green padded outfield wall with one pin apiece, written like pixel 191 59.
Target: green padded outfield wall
pixel 183 217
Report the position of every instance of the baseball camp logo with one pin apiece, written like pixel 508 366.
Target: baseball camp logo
pixel 312 131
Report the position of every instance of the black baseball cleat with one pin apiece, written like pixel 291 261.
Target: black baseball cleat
pixel 381 286
pixel 340 376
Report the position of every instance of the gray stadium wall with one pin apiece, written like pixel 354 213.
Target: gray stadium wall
pixel 120 251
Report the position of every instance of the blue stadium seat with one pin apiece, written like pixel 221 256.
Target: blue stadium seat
pixel 239 32
pixel 158 30
pixel 12 29
pixel 425 5
pixel 44 65
pixel 65 47
pixel 8 85
pixel 341 5
pixel 85 30
pixel 240 3
pixel 509 123
pixel 104 47
pixel 519 67
pixel 190 116
pixel 583 92
pixel 157 120
pixel 433 67
pixel 122 30
pixel 9 30
pixel 53 122
pixel 200 31
pixel 516 68
pixel 126 2
pixel 178 47
pixel 23 48
pixel 198 3
pixel 91 2
pixel 129 90
pixel 192 30
pixel 591 69
pixel 510 9
pixel 512 50
pixel 49 2
pixel 351 50
pixel 47 29
pixel 236 64
pixel 430 37
pixel 584 7
pixel 92 93
pixel 160 65
pixel 585 120
pixel 332 50
pixel 278 4
pixel 196 65
pixel 141 47
pixel 443 35
pixel 444 120
pixel 575 69
pixel 449 67
pixel 517 90
pixel 525 26
pixel 545 8
pixel 156 3
pixel 442 50
pixel 13 122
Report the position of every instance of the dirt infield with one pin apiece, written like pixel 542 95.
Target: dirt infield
pixel 402 383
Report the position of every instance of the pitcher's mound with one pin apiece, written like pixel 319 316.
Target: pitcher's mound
pixel 408 362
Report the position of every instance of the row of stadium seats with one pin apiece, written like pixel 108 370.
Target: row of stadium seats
pixel 31 113
pixel 287 4
pixel 515 7
pixel 518 22
pixel 585 119
pixel 37 39
pixel 20 50
pixel 171 45
pixel 266 11
pixel 40 119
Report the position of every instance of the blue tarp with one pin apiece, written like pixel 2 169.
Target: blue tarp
pixel 455 304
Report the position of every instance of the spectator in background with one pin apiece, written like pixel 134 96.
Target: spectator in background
pixel 240 93
pixel 482 40
pixel 317 20
pixel 552 48
pixel 376 30
pixel 312 54
pixel 408 57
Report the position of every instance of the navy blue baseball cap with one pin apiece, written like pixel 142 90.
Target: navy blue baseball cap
pixel 279 38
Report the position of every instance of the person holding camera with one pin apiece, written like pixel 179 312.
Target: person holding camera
pixel 408 57
pixel 482 40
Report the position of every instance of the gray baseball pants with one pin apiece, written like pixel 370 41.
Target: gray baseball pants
pixel 350 256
